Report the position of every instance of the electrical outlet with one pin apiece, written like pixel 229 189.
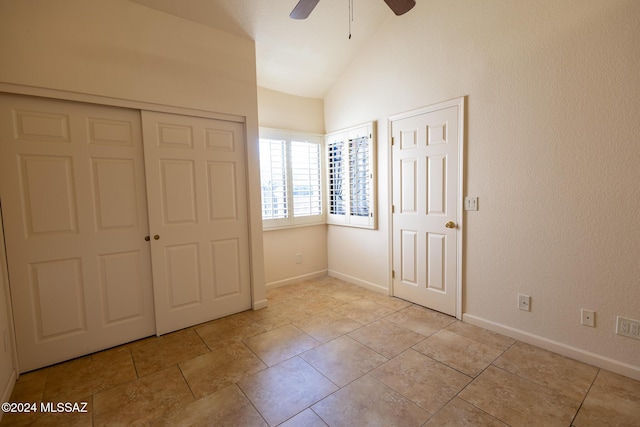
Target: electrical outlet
pixel 524 302
pixel 628 327
pixel 588 317
pixel 298 258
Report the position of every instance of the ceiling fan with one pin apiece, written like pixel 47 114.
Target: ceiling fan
pixel 304 7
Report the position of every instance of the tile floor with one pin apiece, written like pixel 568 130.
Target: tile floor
pixel 329 353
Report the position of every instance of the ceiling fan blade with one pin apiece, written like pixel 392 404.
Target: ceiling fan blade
pixel 303 9
pixel 400 7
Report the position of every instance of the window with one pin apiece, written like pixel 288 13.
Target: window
pixel 350 177
pixel 291 178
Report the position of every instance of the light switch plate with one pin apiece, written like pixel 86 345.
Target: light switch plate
pixel 470 203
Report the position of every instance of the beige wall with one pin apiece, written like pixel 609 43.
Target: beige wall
pixel 552 152
pixel 283 111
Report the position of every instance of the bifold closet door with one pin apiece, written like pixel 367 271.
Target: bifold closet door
pixel 197 198
pixel 73 197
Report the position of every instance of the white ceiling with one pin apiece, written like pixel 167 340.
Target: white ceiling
pixel 300 57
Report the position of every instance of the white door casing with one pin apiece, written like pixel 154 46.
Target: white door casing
pixel 74 203
pixel 197 197
pixel 426 161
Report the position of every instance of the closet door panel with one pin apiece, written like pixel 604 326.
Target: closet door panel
pixel 197 197
pixel 74 205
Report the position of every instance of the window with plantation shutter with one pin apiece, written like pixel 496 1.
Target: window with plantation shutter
pixel 351 177
pixel 306 179
pixel 291 178
pixel 335 176
pixel 273 178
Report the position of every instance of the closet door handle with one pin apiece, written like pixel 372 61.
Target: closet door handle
pixel 156 237
pixel 147 238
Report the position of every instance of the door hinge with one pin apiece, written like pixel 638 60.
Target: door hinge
pixel 393 274
pixel 393 140
pixel 393 209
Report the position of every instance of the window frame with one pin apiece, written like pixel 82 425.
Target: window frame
pixel 345 138
pixel 291 220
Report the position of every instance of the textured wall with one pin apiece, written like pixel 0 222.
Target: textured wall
pixel 552 152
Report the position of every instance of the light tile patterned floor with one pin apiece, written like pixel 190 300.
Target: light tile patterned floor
pixel 329 353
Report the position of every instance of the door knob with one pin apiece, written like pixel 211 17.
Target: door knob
pixel 450 224
pixel 147 238
pixel 156 237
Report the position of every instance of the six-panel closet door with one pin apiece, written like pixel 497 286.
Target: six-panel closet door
pixel 73 198
pixel 73 194
pixel 198 215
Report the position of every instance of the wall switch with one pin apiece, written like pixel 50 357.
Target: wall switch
pixel 298 258
pixel 524 302
pixel 628 327
pixel 470 203
pixel 588 317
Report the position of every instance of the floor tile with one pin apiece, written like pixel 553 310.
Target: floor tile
pixel 461 353
pixel 228 330
pixel 612 400
pixel 387 301
pixel 143 401
pixel 482 335
pixel 277 315
pixel 227 407
pixel 30 386
pixel 346 293
pixel 421 320
pixel 364 311
pixel 83 377
pixel 282 391
pixel 327 326
pixel 154 354
pixel 218 373
pixel 425 382
pixel 280 344
pixel 386 338
pixel 517 401
pixel 564 375
pixel 306 418
pixel 314 304
pixel 343 360
pixel 213 371
pixel 459 413
pixel 368 402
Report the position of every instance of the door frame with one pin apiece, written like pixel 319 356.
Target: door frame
pixel 460 104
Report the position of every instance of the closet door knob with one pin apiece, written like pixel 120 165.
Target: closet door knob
pixel 147 238
pixel 156 237
pixel 450 224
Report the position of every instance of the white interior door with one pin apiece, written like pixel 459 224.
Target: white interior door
pixel 75 215
pixel 196 184
pixel 426 170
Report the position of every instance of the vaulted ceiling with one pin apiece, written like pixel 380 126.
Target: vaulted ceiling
pixel 300 57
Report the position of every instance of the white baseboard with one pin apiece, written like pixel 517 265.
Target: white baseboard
pixel 362 283
pixel 557 347
pixel 296 279
pixel 8 389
